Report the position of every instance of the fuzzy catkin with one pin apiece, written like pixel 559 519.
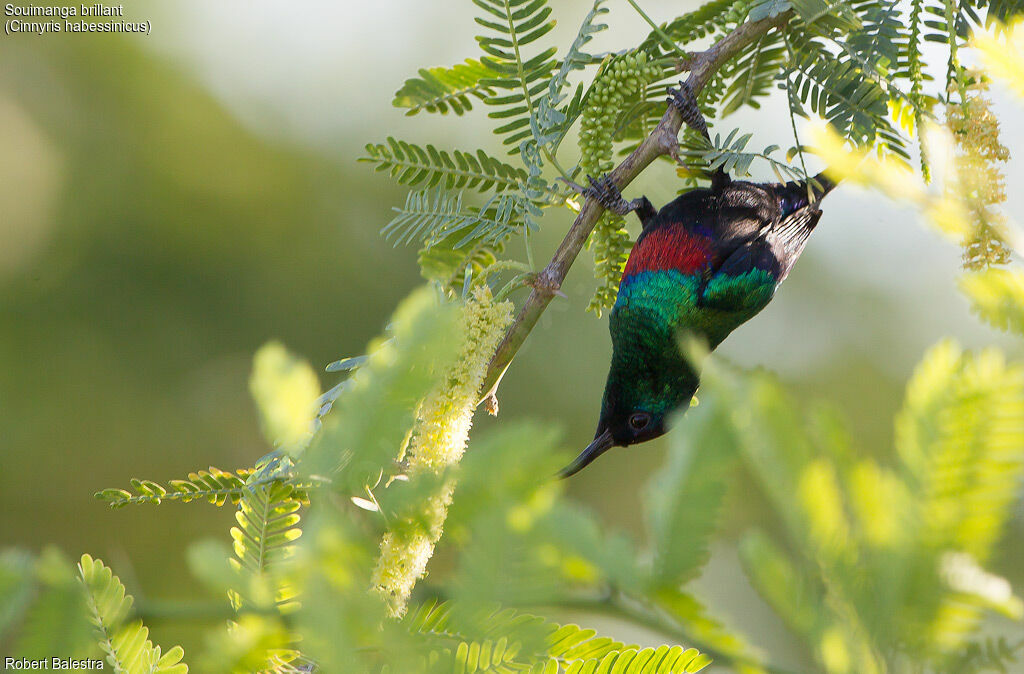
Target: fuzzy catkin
pixel 439 440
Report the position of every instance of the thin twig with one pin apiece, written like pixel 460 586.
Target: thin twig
pixel 657 29
pixel 663 140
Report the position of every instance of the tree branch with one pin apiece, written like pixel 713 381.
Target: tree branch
pixel 664 139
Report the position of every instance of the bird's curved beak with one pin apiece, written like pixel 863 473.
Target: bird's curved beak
pixel 599 446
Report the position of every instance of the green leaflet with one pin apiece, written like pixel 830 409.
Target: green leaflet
pixel 827 15
pixel 553 123
pixel 708 633
pixel 517 79
pixel 127 646
pixel 442 89
pixel 528 643
pixel 711 17
pixel 997 296
pixel 837 90
pixel 687 496
pixel 363 433
pixel 42 607
pixel 214 485
pixel 448 263
pixel 430 215
pixel 411 164
pixel 660 660
pixel 884 558
pixel 960 441
pixel 754 72
pixel 268 520
pixel 732 155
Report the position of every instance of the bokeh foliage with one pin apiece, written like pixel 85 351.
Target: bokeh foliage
pixel 874 565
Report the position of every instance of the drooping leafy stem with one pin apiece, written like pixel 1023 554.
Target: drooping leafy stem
pixel 916 75
pixel 953 74
pixel 791 104
pixel 525 87
pixel 668 41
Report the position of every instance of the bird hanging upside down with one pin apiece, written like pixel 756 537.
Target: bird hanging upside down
pixel 703 265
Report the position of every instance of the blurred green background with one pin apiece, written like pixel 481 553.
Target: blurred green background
pixel 170 202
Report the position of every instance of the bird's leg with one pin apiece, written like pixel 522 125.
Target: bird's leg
pixel 683 100
pixel 607 192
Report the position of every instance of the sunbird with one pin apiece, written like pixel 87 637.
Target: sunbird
pixel 704 264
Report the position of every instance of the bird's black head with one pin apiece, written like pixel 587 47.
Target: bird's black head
pixel 638 400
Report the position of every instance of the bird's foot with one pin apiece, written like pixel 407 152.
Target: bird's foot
pixel 683 100
pixel 607 192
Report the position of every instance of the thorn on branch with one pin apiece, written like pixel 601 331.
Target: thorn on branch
pixel 684 64
pixel 547 283
pixel 667 142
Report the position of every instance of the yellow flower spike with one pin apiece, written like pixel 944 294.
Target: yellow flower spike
pixel 445 416
pixel 834 651
pixel 1002 52
pixel 843 162
pixel 438 441
pixel 898 181
pixel 974 179
pixel 948 214
pixel 857 166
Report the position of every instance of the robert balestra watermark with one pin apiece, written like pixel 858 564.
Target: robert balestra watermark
pixel 54 663
pixel 42 19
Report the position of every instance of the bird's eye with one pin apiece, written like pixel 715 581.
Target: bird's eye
pixel 639 421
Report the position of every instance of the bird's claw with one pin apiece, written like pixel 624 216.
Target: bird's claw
pixel 684 100
pixel 607 193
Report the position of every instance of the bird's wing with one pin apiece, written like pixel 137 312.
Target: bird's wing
pixel 789 236
pixel 744 210
pixel 746 280
pixel 768 225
